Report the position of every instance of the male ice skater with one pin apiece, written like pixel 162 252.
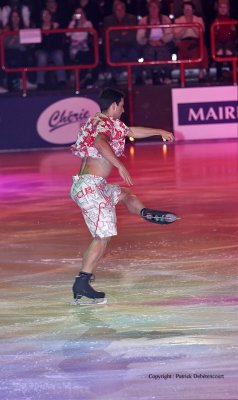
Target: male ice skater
pixel 100 144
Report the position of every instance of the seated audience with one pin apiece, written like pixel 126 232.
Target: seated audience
pixel 226 38
pixel 152 44
pixel 15 52
pixel 50 50
pixel 188 39
pixel 79 41
pixel 81 47
pixel 156 42
pixel 225 35
pixel 123 45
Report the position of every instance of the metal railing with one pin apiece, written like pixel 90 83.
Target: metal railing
pixel 76 67
pixel 232 58
pixel 130 64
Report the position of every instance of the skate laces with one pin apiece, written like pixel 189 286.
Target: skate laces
pixel 87 276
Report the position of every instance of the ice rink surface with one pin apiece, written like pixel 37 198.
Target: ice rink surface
pixel 169 330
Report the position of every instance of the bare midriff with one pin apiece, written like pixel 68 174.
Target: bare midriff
pixel 96 166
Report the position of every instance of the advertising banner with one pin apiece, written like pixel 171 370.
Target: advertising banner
pixel 205 113
pixel 43 121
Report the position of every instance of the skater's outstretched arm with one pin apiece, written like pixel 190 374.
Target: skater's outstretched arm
pixel 139 132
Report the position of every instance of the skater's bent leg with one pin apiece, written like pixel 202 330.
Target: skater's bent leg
pixel 135 206
pixel 94 253
pixel 131 201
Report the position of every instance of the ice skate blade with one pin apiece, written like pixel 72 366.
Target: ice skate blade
pixel 169 218
pixel 89 302
pixel 159 217
pixel 163 220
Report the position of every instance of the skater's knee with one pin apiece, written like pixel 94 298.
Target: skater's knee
pixel 103 242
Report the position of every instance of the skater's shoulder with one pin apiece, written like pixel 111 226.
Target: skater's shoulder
pixel 101 119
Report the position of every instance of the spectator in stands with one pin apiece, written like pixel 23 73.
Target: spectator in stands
pixel 15 52
pixel 91 11
pixel 123 44
pixel 91 8
pixel 57 15
pixel 178 7
pixel 156 42
pixel 81 47
pixel 210 12
pixel 79 41
pixel 225 35
pixel 188 39
pixel 21 8
pixel 50 50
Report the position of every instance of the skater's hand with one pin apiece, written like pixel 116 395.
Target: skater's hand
pixel 167 135
pixel 125 175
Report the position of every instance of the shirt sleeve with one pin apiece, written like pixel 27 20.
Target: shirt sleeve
pixel 104 127
pixel 126 129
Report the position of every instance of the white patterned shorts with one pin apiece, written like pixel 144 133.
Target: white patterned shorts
pixel 97 200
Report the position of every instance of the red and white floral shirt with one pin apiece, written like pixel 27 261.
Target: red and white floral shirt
pixel 115 129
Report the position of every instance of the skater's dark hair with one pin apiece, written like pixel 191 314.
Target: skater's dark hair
pixel 109 96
